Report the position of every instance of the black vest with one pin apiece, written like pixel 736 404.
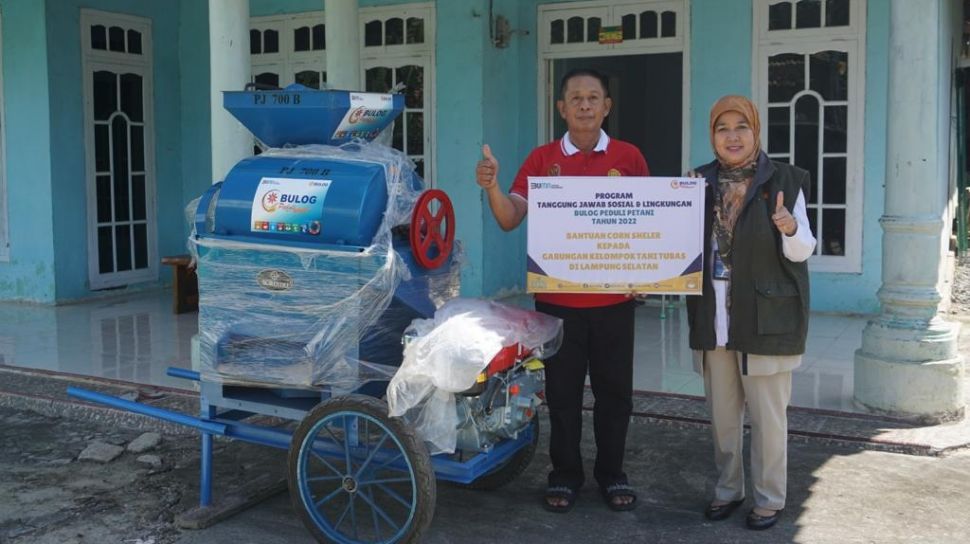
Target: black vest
pixel 769 293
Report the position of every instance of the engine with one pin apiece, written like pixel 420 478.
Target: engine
pixel 503 402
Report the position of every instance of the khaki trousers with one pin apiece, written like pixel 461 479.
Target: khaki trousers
pixel 767 398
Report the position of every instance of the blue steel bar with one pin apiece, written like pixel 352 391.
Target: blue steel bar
pixel 465 472
pixel 185 373
pixel 205 460
pixel 138 408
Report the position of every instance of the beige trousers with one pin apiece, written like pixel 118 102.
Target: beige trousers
pixel 767 398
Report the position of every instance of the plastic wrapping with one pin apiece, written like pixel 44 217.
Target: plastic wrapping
pixel 444 356
pixel 289 315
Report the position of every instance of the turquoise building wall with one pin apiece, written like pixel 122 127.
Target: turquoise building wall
pixel 29 272
pixel 483 95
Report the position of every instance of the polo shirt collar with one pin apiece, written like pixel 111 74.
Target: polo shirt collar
pixel 568 149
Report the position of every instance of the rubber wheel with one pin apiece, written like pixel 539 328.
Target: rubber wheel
pixel 358 476
pixel 511 468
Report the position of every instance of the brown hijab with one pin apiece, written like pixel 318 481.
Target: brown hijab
pixel 746 108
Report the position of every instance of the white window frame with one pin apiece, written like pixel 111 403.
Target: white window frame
pixel 4 222
pixel 286 62
pixel 96 59
pixel 610 12
pixel 399 55
pixel 852 40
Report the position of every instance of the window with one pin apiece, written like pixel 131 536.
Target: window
pixel 397 53
pixel 566 28
pixel 809 77
pixel 118 136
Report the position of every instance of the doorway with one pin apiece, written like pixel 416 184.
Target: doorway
pixel 647 92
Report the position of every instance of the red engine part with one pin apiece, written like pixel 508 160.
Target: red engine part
pixel 432 229
pixel 506 359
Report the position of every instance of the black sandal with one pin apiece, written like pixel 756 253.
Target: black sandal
pixel 560 492
pixel 619 490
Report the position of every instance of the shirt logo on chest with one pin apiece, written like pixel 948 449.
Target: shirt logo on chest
pixel 554 170
pixel 614 172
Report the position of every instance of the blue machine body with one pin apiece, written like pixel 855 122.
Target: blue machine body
pixel 283 271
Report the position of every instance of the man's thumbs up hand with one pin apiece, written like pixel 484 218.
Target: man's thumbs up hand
pixel 486 172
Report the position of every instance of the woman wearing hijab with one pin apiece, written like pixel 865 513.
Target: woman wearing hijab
pixel 748 328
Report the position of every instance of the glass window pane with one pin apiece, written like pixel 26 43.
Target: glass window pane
pixel 271 41
pixel 415 128
pixel 833 232
pixel 319 37
pixel 413 79
pixel 123 247
pixel 629 24
pixel 99 37
pixel 394 31
pixel 836 12
pixel 829 72
pixel 574 30
pixel 102 153
pixel 556 31
pixel 134 42
pixel 808 14
pixel 668 24
pixel 593 29
pixel 779 16
pixel 255 42
pixel 373 34
pixel 648 24
pixel 779 130
pixel 377 80
pixel 119 171
pixel 310 78
pixel 141 246
pixel 786 76
pixel 104 198
pixel 301 39
pixel 106 261
pixel 415 30
pixel 138 202
pixel 806 134
pixel 397 138
pixel 267 80
pixel 833 180
pixel 116 39
pixel 105 95
pixel 137 149
pixel 131 96
pixel 836 129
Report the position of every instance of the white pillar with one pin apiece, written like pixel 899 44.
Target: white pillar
pixel 343 45
pixel 908 364
pixel 229 70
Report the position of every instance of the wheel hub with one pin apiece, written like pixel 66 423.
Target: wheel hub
pixel 349 484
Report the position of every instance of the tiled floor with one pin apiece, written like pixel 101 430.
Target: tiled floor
pixel 135 338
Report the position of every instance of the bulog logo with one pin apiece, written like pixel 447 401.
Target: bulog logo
pixel 271 201
pixel 361 113
pixel 274 280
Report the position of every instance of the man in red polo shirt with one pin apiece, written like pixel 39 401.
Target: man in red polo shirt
pixel 598 328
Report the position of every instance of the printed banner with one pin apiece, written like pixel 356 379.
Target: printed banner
pixel 615 235
pixel 289 205
pixel 365 116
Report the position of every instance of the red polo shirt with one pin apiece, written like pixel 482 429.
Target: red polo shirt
pixel 561 158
